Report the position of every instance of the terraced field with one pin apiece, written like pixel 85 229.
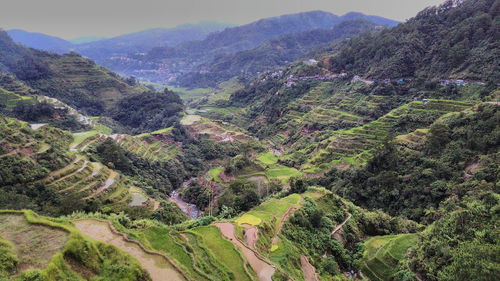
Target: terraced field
pixel 270 169
pixel 51 249
pixel 216 130
pixel 355 146
pixel 73 175
pixel 383 253
pixel 34 245
pixel 10 99
pixel 156 146
pixel 11 85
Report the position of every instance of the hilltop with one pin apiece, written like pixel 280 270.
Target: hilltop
pixel 453 40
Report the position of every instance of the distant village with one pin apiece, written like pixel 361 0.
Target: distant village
pixel 291 80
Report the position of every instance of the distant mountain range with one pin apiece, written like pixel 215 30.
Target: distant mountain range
pixel 96 47
pixel 40 41
pixel 163 64
pixel 86 39
pixel 161 54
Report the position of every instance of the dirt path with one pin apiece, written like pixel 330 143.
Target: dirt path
pixel 159 267
pixel 264 270
pixel 308 269
pixel 282 222
pixel 338 227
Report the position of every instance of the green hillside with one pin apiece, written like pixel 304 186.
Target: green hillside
pixel 372 161
pixel 383 253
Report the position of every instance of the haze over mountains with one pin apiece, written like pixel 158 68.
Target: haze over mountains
pixel 162 54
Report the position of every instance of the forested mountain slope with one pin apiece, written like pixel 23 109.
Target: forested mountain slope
pixel 143 41
pixel 105 48
pixel 91 89
pixel 458 39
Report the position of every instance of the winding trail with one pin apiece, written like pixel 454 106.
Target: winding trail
pixel 338 227
pixel 159 267
pixel 264 270
pixel 282 222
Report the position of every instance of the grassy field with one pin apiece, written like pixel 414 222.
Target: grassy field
pixel 268 158
pixel 273 170
pixel 382 254
pixel 78 138
pixel 9 99
pixel 270 211
pixel 215 172
pixel 190 94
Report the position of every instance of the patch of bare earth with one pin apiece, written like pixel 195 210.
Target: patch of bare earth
pixel 35 244
pixel 308 269
pixel 471 170
pixel 251 235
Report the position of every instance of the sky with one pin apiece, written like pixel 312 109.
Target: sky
pixel 75 18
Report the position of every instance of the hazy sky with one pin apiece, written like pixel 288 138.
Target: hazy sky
pixel 75 18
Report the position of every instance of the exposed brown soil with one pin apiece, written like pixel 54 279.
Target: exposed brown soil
pixel 251 236
pixel 342 167
pixel 471 169
pixel 308 269
pixel 264 270
pixel 35 244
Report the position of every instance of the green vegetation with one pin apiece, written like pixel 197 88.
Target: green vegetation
pixel 437 164
pixel 383 253
pixel 392 54
pixel 223 250
pixel 274 158
pixel 358 144
pixel 148 111
pixel 215 172
pixel 268 158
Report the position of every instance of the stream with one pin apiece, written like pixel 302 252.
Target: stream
pixel 189 209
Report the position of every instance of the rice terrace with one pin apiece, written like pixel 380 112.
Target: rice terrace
pixel 321 140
